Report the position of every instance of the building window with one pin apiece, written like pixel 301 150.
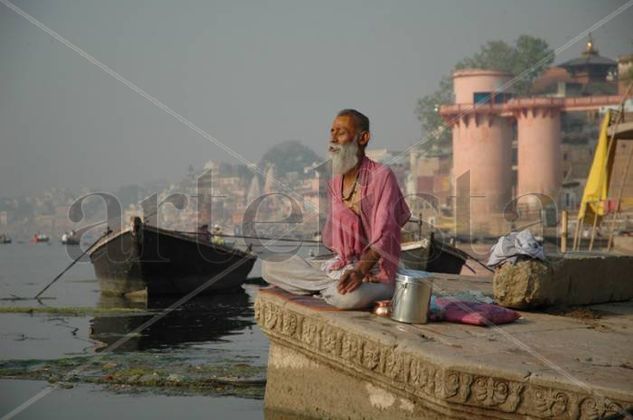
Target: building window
pixel 481 98
pixel 503 97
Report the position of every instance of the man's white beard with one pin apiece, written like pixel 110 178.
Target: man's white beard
pixel 345 158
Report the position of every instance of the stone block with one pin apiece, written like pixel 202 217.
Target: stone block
pixel 577 280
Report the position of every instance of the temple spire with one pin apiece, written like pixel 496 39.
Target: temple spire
pixel 590 48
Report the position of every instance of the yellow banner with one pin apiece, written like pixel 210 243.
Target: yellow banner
pixel 596 188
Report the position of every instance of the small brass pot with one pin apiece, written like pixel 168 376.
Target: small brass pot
pixel 382 308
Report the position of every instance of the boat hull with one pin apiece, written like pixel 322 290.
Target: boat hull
pixel 166 263
pixel 433 256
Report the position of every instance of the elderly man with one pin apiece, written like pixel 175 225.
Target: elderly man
pixel 363 226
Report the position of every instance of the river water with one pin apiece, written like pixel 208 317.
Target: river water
pixel 209 334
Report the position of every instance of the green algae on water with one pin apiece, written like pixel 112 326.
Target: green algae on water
pixel 145 372
pixel 67 310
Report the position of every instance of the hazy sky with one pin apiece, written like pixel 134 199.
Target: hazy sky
pixel 250 73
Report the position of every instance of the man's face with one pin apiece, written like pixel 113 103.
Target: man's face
pixel 344 147
pixel 343 131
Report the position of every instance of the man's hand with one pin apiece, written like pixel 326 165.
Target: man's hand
pixel 350 281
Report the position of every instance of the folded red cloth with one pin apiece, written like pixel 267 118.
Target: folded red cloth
pixel 474 313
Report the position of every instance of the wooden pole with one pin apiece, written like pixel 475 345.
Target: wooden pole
pixel 563 231
pixel 578 236
pixel 593 230
pixel 574 243
pixel 107 232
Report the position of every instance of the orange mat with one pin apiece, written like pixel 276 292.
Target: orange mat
pixel 311 302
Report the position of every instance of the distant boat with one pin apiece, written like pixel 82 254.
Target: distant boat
pixel 5 239
pixel 70 238
pixel 40 237
pixel 166 262
pixel 430 254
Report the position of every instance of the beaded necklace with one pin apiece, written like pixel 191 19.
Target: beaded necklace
pixel 351 193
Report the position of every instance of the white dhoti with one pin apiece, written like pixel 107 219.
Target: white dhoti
pixel 302 276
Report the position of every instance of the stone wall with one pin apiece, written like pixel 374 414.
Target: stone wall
pixel 321 368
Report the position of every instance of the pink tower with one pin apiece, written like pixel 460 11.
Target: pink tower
pixel 482 142
pixel 539 151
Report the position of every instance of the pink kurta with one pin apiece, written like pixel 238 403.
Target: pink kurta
pixel 383 213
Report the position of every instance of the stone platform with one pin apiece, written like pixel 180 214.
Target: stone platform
pixel 325 363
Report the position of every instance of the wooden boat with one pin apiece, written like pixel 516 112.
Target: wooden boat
pixel 166 262
pixel 428 254
pixel 433 255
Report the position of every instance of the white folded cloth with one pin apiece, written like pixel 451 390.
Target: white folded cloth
pixel 509 247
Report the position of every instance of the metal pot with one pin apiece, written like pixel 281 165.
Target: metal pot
pixel 411 299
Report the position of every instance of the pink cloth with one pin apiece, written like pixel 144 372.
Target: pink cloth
pixel 475 313
pixel 383 212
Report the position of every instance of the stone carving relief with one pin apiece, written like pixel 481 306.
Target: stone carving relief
pixel 457 386
pixel 416 378
pixel 271 314
pixel 289 324
pixel 330 340
pixel 597 407
pixel 352 349
pixel 426 379
pixel 490 392
pixel 310 333
pixel 371 356
pixel 493 392
pixel 514 399
pixel 549 402
pixel 395 366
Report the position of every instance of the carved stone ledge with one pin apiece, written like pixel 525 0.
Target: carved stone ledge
pixel 419 379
